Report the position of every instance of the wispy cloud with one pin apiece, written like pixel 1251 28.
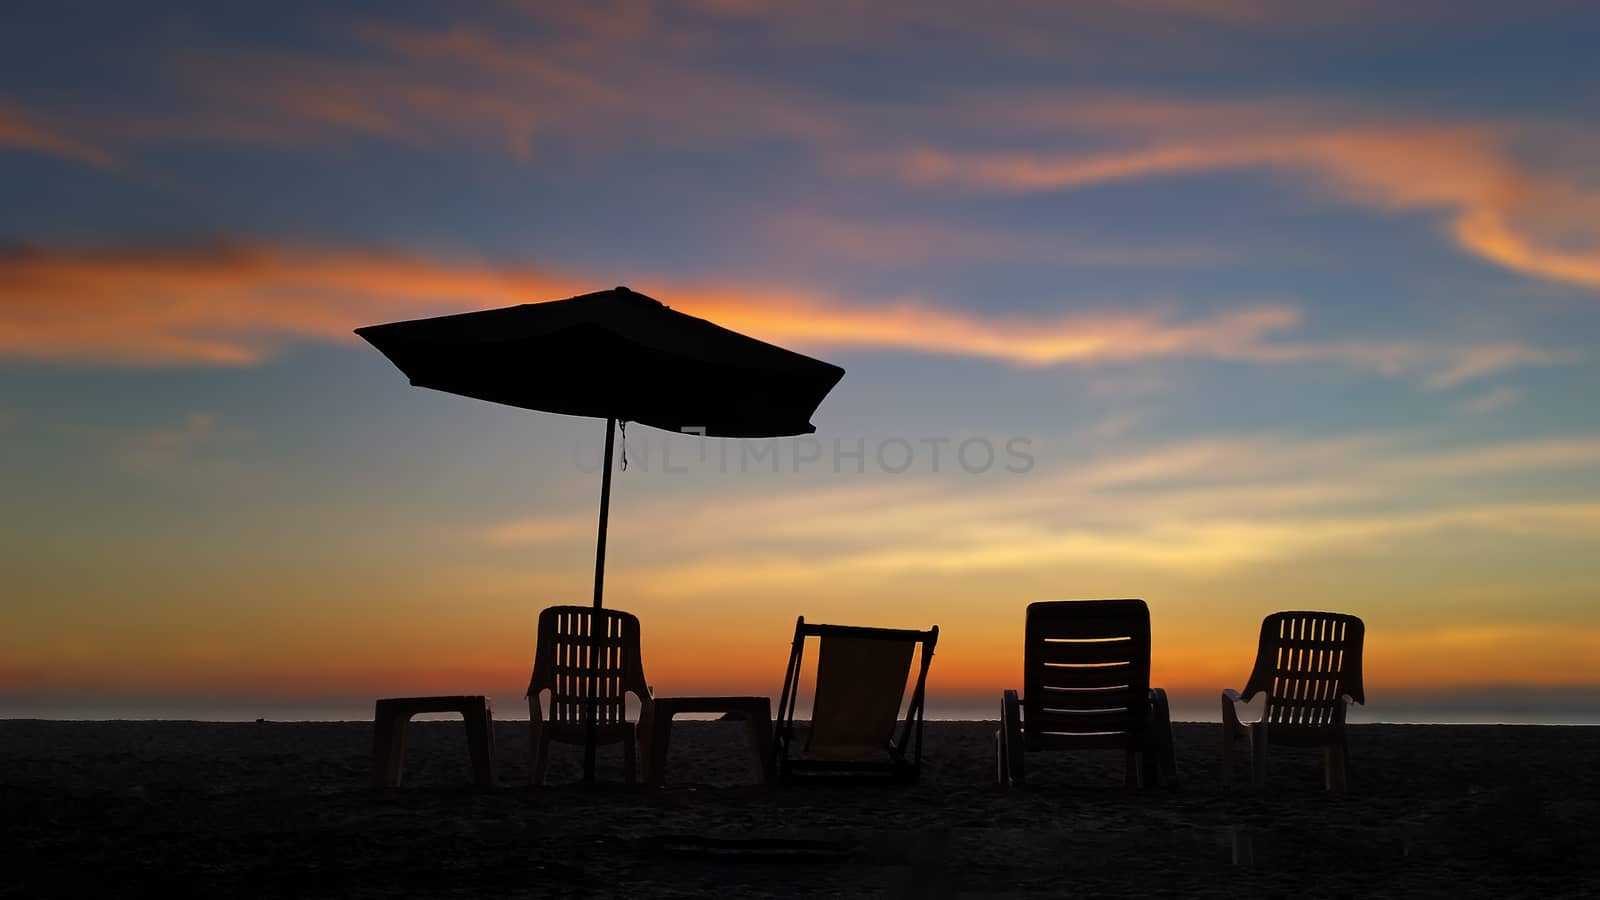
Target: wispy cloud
pixel 223 304
pixel 164 448
pixel 494 88
pixel 237 304
pixel 23 132
pixel 1204 508
pixel 640 76
pixel 1492 401
pixel 1534 221
pixel 899 241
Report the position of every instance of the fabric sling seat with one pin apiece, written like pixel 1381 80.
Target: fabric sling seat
pixel 861 682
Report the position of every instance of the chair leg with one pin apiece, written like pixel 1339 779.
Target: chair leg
pixel 1335 763
pixel 1228 739
pixel 545 740
pixel 538 744
pixel 1002 777
pixel 761 743
pixel 541 756
pixel 1258 755
pixel 646 743
pixel 630 762
pixel 1150 768
pixel 1232 733
pixel 1132 768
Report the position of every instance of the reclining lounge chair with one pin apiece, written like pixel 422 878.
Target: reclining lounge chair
pixel 1086 684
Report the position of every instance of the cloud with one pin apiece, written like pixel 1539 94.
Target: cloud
pixel 1539 222
pixel 891 241
pixel 164 448
pixel 22 132
pixel 631 74
pixel 518 87
pixel 501 87
pixel 1493 401
pixel 1208 508
pixel 224 304
pixel 635 76
pixel 238 304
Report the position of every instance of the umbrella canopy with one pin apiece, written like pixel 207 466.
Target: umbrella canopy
pixel 614 355
pixel 619 356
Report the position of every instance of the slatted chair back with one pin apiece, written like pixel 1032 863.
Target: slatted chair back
pixel 585 652
pixel 1305 662
pixel 1086 680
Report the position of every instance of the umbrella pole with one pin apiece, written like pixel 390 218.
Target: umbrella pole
pixel 599 585
pixel 605 513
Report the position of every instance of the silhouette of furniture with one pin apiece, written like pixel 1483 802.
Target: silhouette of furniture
pixel 588 660
pixel 1308 664
pixel 655 730
pixel 392 716
pixel 861 679
pixel 619 356
pixel 1086 685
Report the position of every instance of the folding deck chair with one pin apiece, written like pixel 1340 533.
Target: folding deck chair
pixel 861 680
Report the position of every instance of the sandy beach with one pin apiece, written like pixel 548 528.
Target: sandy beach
pixel 286 809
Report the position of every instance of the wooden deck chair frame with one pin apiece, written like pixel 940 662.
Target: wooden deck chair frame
pixel 1308 664
pixel 903 762
pixel 561 666
pixel 1086 685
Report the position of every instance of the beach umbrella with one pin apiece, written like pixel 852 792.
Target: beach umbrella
pixel 615 355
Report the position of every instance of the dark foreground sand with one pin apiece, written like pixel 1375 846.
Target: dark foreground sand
pixel 195 809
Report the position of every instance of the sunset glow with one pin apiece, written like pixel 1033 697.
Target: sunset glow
pixel 1188 304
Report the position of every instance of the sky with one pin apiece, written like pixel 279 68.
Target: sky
pixel 1230 305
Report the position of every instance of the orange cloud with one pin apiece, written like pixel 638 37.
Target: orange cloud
pixel 628 74
pixel 474 83
pixel 1498 208
pixel 226 304
pixel 236 304
pixel 23 133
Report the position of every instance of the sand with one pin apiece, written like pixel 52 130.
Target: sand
pixel 286 810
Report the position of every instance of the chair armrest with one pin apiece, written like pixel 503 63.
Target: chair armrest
pixel 1010 744
pixel 1230 712
pixel 1159 705
pixel 1340 710
pixel 1011 710
pixel 1161 726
